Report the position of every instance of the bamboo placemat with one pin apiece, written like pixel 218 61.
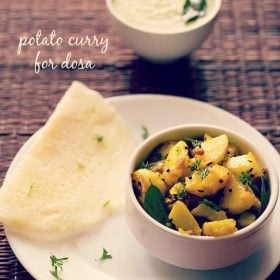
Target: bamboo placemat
pixel 237 69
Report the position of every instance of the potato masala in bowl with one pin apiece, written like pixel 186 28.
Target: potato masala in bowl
pixel 200 196
pixel 202 186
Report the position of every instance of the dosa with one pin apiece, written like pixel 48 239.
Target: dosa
pixel 71 175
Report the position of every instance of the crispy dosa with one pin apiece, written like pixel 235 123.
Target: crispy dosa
pixel 71 175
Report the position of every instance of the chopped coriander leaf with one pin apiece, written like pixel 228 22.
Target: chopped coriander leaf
pixel 203 173
pixel 180 194
pixel 105 255
pixel 98 138
pixel 145 133
pixel 106 203
pixel 191 16
pixel 145 165
pixel 195 165
pixel 193 9
pixel 57 264
pixel 186 6
pixel 198 5
pixel 245 178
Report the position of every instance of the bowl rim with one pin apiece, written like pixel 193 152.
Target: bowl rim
pixel 213 14
pixel 155 139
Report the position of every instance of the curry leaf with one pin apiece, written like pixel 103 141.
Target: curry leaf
pixel 154 204
pixel 211 204
pixel 265 193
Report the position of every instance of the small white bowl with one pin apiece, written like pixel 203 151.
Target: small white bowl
pixel 197 252
pixel 163 47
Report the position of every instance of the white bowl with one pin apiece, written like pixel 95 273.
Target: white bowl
pixel 197 252
pixel 164 47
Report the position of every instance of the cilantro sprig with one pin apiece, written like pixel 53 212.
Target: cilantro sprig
pixel 57 264
pixel 181 194
pixel 203 173
pixel 145 165
pixel 195 165
pixel 245 178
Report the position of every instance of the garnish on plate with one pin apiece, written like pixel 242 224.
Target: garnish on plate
pixel 105 255
pixel 57 264
pixel 145 133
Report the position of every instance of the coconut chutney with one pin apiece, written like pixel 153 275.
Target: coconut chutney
pixel 164 16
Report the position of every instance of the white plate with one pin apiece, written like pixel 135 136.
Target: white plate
pixel 130 261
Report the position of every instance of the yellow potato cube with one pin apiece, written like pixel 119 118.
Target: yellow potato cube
pixel 214 150
pixel 244 163
pixel 203 210
pixel 216 180
pixel 207 137
pixel 176 164
pixel 195 231
pixel 231 151
pixel 164 149
pixel 246 218
pixel 143 178
pixel 177 188
pixel 183 219
pixel 219 228
pixel 238 198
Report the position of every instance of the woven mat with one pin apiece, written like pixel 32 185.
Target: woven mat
pixel 237 69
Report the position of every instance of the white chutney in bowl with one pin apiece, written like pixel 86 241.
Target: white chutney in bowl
pixel 158 31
